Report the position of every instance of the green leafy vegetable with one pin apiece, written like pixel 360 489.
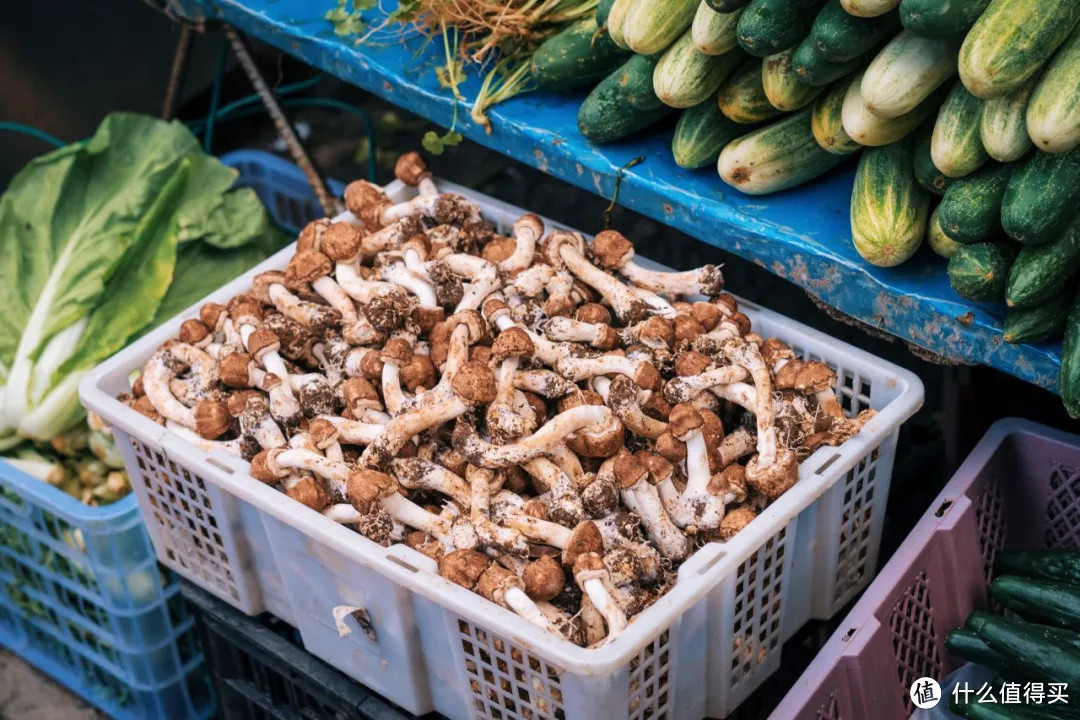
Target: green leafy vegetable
pixel 437 144
pixel 348 22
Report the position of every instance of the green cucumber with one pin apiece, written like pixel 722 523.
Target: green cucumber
pixel 1069 375
pixel 1043 271
pixel 925 171
pixel 714 32
pixel 956 146
pixel 685 76
pixel 979 271
pixel 623 102
pixel 615 19
pixel 838 35
pixel 813 69
pixel 1042 196
pixel 603 9
pixel 1011 40
pixel 742 96
pixel 1004 125
pixel 782 86
pixel 700 135
pixel 1059 565
pixel 868 129
pixel 1053 115
pixel 1024 646
pixel 889 210
pixel 940 18
pixel 936 238
pixel 1052 603
pixel 580 55
pixel 769 26
pixel 1054 634
pixel 826 120
pixel 906 72
pixel 869 8
pixel 778 156
pixel 967 645
pixel 650 26
pixel 726 6
pixel 1041 323
pixel 971 206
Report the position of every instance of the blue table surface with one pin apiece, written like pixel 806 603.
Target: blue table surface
pixel 802 235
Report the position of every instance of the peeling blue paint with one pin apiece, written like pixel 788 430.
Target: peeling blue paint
pixel 802 235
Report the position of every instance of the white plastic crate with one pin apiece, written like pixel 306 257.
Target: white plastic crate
pixel 428 644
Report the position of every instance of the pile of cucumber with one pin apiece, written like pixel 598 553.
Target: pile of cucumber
pixel 1039 640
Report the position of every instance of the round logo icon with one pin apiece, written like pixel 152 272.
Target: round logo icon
pixel 925 693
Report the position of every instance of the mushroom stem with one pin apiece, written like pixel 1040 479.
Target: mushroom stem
pixel 567 249
pixel 504 539
pixel 483 278
pixel 354 432
pixel 418 474
pixel 397 274
pixel 685 389
pixel 621 395
pixel 229 446
pixel 565 505
pixel 484 454
pixel 593 579
pixel 270 360
pixel 748 356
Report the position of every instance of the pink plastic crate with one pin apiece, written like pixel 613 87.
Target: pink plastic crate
pixel 1019 488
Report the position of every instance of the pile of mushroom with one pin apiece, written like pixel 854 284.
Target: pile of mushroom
pixel 556 425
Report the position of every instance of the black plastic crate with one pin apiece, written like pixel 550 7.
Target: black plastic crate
pixel 261 672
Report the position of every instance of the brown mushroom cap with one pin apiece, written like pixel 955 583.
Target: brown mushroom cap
pixel 814 378
pixel 341 242
pixel 774 480
pixel 593 313
pixel 144 407
pixel 670 448
pixel 629 471
pixel 598 442
pixel 648 377
pixel 659 467
pixel 495 581
pixel 212 419
pixel 360 394
pixel 735 520
pixel 260 284
pixel 210 313
pixel 238 400
pixel 361 197
pixel 691 363
pixel 306 267
pixel 371 364
pixel 233 370
pixel 261 342
pixel 588 562
pixel 684 420
pixel 731 479
pixel 322 433
pixel 585 538
pixel 512 342
pixel 410 168
pixel 687 328
pixel 706 314
pixel 244 308
pixel 543 578
pixel 499 248
pixel 192 332
pixel 397 351
pixel 612 249
pixel 657 331
pixel 773 350
pixel 478 329
pixel 426 317
pixel 310 492
pixel 260 467
pixel 784 378
pixel 712 428
pixel 480 353
pixel 741 322
pixel 475 383
pixel 464 567
pixel 366 487
pixel 419 373
pixel 311 237
pixel 622 565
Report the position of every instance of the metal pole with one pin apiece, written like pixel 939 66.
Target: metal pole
pixel 329 204
pixel 176 73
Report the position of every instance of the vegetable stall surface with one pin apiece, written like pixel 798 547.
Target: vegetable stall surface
pixel 106 238
pixel 558 426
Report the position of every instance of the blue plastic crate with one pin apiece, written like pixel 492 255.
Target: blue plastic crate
pixel 283 190
pixel 82 598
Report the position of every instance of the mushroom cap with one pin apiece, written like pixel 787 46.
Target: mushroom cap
pixel 212 419
pixel 629 471
pixel 370 363
pixel 741 322
pixel 270 381
pixel 342 241
pixel 495 581
pixel 144 407
pixel 657 406
pixel 410 168
pixel 600 498
pixel 397 351
pixel 475 383
pixel 296 340
pixel 622 565
pixel 814 378
pixel 478 329
pixel 426 545
pixel 359 393
pixel 593 313
pixel 261 342
pixel 727 303
pixel 691 363
pixel 238 400
pixel 512 342
pixel 322 432
pixel 260 284
pixel 233 370
pixel 578 397
pixel 554 242
pixel 773 350
pixel 529 222
pixel 712 428
pixel 731 479
pixel 311 237
pixel 598 441
pixel 687 328
pixel 361 196
pixel 260 467
pixel 647 376
pixel 310 492
pixel 210 313
pixel 776 479
pixel 588 562
pixel 684 420
pixel 735 520
pixel 535 507
pixel 464 567
pixel 306 267
pixel 367 487
pixel 419 373
pixel 612 249
pixel 657 331
pixel 245 309
pixel 498 248
pixel 585 538
pixel 544 578
pixel 659 467
pixel 492 308
pixel 192 331
pixel 784 378
pixel 426 317
pixel 419 243
pixel 670 447
pixel 480 353
pixel 707 314
pixel 386 312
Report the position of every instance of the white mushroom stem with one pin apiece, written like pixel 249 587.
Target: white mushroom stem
pixel 407 425
pixel 650 560
pixel 271 360
pixel 306 313
pixel 627 305
pixel 577 369
pixel 531 282
pixel 483 278
pixel 684 389
pixel 484 454
pixel 568 461
pixel 505 539
pixel 567 330
pixel 668 538
pixel 527 231
pixel 592 622
pixel 422 204
pixel 565 503
pixel 256 421
pixel 544 350
pixel 160 369
pixel 393 395
pixel 354 432
pixel 540 531
pixel 622 395
pixel 594 584
pixel 749 357
pixel 361 290
pixel 734 446
pixel 707 510
pixel 705 280
pixel 336 297
pixel 390 237
pixel 418 474
pixel 545 383
pixel 229 446
pixel 657 303
pixel 335 473
pixel 412 515
pixel 398 274
pixel 283 406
